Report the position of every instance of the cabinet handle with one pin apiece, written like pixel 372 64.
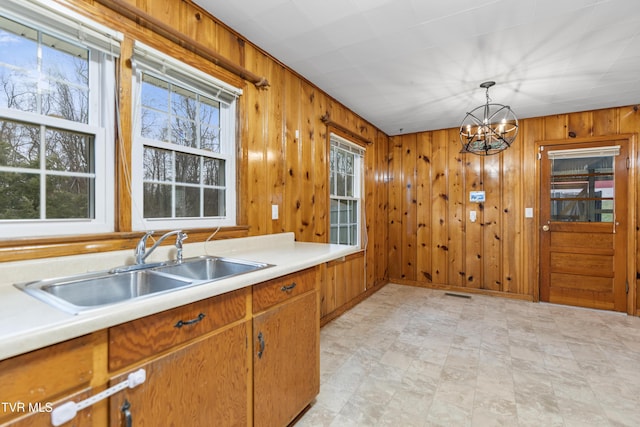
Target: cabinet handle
pixel 128 421
pixel 288 288
pixel 182 323
pixel 261 342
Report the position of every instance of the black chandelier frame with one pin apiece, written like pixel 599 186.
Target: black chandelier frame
pixel 488 129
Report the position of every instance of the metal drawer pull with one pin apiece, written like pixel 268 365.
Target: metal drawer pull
pixel 128 421
pixel 261 342
pixel 288 288
pixel 182 323
pixel 67 411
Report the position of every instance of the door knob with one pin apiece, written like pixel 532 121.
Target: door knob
pixel 545 227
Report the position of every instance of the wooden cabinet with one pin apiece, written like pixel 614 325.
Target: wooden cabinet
pixel 202 383
pixel 344 280
pixel 247 357
pixel 32 384
pixel 286 356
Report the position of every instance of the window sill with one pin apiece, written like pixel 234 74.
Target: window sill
pixel 45 247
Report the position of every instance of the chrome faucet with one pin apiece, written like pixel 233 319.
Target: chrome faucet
pixel 142 253
pixel 180 238
pixel 141 247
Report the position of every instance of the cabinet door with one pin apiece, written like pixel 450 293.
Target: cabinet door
pixel 286 360
pixel 344 280
pixel 202 384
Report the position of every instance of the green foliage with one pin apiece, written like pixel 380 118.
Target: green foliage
pixel 19 196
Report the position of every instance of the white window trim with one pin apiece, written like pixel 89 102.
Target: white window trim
pixel 56 21
pixel 358 184
pixel 147 59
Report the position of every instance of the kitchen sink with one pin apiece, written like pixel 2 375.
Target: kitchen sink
pixel 210 268
pixel 79 293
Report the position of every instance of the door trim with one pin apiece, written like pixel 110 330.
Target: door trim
pixel 631 270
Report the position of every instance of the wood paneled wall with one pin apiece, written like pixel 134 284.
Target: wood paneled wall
pixel 416 185
pixel 286 154
pixel 283 150
pixel 431 239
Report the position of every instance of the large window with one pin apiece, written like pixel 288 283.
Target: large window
pixel 184 154
pixel 56 121
pixel 345 188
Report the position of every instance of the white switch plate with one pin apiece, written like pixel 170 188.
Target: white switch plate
pixel 274 211
pixel 528 212
pixel 473 216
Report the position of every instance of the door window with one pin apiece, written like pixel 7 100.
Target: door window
pixel 582 184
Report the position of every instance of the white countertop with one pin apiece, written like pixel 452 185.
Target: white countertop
pixel 27 323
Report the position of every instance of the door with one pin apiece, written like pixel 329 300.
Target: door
pixel 583 229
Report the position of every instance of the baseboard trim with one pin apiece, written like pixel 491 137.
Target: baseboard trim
pixel 488 292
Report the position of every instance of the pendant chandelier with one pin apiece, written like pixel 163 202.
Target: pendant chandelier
pixel 488 129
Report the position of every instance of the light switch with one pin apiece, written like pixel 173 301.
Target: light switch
pixel 274 211
pixel 528 212
pixel 473 216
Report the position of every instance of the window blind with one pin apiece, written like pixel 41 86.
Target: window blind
pixel 58 20
pixel 147 59
pixel 580 153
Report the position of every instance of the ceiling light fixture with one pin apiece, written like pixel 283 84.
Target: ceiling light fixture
pixel 488 129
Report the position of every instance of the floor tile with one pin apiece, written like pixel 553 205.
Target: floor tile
pixel 409 356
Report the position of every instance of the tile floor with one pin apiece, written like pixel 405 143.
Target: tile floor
pixel 410 356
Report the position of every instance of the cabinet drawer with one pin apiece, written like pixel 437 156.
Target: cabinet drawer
pixel 135 340
pixel 42 376
pixel 275 291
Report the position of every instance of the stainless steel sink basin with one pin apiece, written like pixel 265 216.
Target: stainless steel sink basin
pixel 81 293
pixel 113 288
pixel 210 268
pixel 84 292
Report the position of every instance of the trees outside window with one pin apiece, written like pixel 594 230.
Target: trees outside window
pixel 184 143
pixel 52 130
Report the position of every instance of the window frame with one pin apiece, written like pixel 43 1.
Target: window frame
pixel 359 153
pixel 103 46
pixel 148 60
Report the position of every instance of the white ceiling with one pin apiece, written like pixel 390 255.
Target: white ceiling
pixel 413 65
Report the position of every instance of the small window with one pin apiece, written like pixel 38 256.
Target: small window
pixel 185 145
pixel 582 184
pixel 56 115
pixel 345 187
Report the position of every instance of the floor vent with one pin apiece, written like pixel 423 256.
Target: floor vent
pixel 458 295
